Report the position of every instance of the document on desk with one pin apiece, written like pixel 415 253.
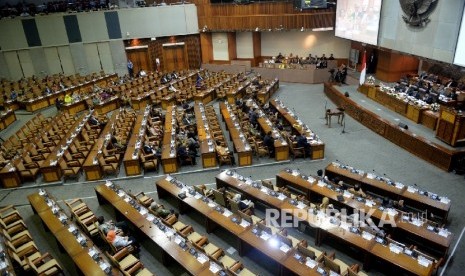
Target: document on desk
pixel 423 261
pixel 227 213
pixel 150 217
pixel 72 228
pixel 104 266
pixel 281 197
pixel 244 223
pixel 310 263
pixel 143 211
pixel 214 267
pixel 301 205
pixel 198 196
pixel 321 183
pixel 202 258
pixel 284 248
pixel 264 236
pixel 367 236
pixel 444 233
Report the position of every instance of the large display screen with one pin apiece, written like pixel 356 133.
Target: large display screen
pixel 358 20
pixel 459 58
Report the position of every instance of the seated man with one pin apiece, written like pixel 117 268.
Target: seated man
pixel 268 141
pixel 357 191
pixel 160 211
pixel 243 204
pixel 303 143
pixel 184 154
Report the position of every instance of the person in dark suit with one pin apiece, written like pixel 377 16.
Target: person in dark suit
pixel 268 141
pixel 303 143
pixel 184 155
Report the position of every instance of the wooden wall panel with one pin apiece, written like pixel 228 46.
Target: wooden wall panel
pixel 227 17
pixel 392 66
pixel 232 49
pixel 207 47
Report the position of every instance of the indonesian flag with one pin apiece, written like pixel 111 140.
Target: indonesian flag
pixel 363 73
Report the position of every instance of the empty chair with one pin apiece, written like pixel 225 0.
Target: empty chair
pixel 223 259
pixel 143 199
pixel 69 171
pixel 123 259
pixel 108 168
pixel 27 174
pixel 239 269
pixel 45 265
pixel 22 259
pixel 219 197
pixel 149 164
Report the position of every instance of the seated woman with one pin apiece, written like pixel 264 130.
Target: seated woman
pixel 122 241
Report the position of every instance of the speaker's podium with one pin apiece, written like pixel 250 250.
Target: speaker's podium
pixel 451 126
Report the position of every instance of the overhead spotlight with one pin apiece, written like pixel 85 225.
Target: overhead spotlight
pixel 205 28
pixel 257 29
pixel 302 29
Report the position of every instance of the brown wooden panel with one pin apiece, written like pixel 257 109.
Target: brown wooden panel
pixel 232 51
pixel 140 59
pixel 207 47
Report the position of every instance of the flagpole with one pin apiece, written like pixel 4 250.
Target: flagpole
pixel 363 72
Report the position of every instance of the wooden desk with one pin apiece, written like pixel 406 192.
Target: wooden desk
pixel 402 261
pixel 91 166
pixel 7 118
pixel 211 216
pixel 280 144
pixel 107 106
pixel 241 146
pixel 50 168
pixel 169 159
pixel 36 104
pixel 76 107
pixel 66 240
pixel 168 101
pixel 451 127
pixel 207 147
pixel 205 96
pixel 415 112
pixel 10 175
pixel 414 199
pixel 334 112
pixel 131 159
pixel 318 147
pixel 244 236
pixel 429 119
pixel 106 195
pixel 265 93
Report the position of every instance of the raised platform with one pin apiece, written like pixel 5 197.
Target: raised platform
pixel 418 139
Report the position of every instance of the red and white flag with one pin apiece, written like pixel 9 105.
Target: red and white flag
pixel 363 73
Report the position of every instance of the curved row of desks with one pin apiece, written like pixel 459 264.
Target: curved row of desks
pixel 429 151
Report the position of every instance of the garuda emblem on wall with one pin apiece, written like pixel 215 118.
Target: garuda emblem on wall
pixel 417 12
